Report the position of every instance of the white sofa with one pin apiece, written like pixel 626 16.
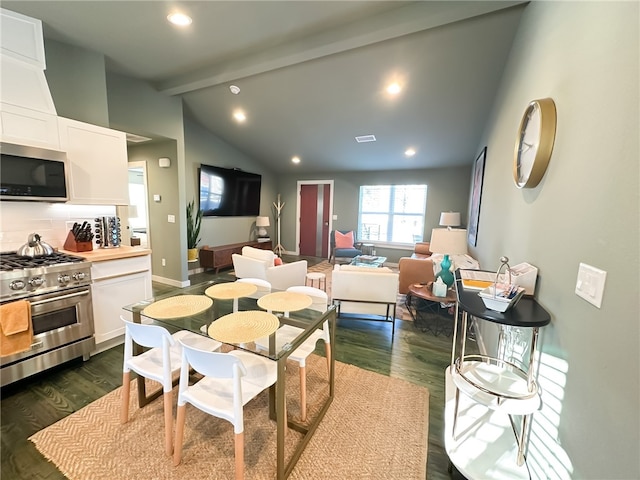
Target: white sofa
pixel 257 263
pixel 365 290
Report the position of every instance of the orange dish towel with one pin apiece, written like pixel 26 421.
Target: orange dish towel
pixel 16 330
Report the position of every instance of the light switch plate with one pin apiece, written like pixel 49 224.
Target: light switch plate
pixel 590 284
pixel 156 197
pixel 171 218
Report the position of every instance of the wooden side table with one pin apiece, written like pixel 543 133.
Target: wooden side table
pixel 321 278
pixel 427 315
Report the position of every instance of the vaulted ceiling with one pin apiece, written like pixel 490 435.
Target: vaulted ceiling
pixel 312 75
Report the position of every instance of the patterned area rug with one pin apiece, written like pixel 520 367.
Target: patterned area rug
pixel 325 267
pixel 361 436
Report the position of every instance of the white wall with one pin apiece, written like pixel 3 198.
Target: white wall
pixel 585 55
pixel 52 221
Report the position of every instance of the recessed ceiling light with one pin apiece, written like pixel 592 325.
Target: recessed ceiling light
pixel 410 152
pixel 234 89
pixel 295 159
pixel 239 115
pixel 394 88
pixel 179 19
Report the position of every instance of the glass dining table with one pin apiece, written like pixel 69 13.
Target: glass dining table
pixel 192 310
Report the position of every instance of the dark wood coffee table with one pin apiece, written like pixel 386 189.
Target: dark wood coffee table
pixel 428 312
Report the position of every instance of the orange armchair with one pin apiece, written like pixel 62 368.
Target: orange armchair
pixel 421 250
pixel 414 270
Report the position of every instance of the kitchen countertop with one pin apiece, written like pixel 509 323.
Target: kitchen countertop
pixel 104 254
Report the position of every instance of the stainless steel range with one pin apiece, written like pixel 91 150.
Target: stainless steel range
pixel 58 287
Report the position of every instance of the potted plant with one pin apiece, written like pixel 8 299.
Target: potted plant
pixel 194 219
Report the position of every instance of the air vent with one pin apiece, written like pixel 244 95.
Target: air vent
pixel 136 138
pixel 365 138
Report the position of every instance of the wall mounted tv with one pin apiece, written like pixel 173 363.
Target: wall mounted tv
pixel 229 192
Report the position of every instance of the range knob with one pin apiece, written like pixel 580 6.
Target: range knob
pixel 63 278
pixel 79 276
pixel 17 285
pixel 36 281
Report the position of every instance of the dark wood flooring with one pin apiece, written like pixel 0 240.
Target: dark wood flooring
pixel 34 403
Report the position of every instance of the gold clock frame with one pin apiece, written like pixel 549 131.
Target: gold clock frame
pixel 548 120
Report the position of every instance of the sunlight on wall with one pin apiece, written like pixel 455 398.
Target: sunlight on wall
pixel 546 457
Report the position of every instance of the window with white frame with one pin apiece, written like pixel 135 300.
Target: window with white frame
pixel 392 213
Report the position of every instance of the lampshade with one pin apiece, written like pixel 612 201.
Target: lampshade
pixel 262 221
pixel 449 241
pixel 450 219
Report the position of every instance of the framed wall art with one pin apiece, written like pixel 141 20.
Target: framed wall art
pixel 476 197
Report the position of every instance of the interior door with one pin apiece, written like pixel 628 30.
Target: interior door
pixel 314 219
pixel 139 219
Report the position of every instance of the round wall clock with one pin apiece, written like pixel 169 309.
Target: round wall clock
pixel 534 143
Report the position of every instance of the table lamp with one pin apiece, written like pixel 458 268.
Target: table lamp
pixel 262 222
pixel 450 219
pixel 448 241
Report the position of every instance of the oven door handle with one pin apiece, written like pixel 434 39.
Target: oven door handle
pixel 62 297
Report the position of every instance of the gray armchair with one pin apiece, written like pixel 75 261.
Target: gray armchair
pixel 343 252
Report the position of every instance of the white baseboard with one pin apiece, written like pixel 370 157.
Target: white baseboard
pixel 171 282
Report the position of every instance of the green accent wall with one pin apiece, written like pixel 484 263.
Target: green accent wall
pixel 584 55
pixel 77 81
pixel 447 190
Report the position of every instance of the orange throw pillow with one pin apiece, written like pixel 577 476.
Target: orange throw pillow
pixel 344 240
pixel 277 261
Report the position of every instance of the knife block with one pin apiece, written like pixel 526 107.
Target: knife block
pixel 73 246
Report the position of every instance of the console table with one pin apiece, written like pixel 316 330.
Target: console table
pixel 484 393
pixel 221 256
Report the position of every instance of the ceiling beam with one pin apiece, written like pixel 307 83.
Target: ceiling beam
pixel 418 16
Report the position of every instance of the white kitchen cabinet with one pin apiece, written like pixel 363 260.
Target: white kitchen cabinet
pixel 117 283
pixel 97 156
pixel 24 126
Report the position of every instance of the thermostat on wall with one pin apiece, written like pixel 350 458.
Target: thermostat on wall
pixel 156 198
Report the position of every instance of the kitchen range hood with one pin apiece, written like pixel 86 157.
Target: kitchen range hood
pixel 23 82
pixel 28 114
pixel 24 85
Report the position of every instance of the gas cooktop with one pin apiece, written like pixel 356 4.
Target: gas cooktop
pixel 12 261
pixel 22 277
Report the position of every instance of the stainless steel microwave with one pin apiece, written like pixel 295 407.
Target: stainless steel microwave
pixel 32 174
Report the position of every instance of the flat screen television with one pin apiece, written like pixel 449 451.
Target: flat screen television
pixel 229 192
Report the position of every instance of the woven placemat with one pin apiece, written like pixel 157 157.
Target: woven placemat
pixel 230 290
pixel 178 306
pixel 243 327
pixel 285 301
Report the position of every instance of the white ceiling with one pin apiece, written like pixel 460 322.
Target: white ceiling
pixel 312 74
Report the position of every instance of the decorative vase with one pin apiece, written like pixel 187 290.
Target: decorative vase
pixel 192 254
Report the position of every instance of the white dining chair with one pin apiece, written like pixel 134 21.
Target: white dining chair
pixel 159 363
pixel 230 381
pixel 287 333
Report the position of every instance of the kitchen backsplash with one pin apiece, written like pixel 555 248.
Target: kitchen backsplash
pixel 52 221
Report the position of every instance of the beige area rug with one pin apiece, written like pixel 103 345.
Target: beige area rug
pixel 325 267
pixel 376 428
